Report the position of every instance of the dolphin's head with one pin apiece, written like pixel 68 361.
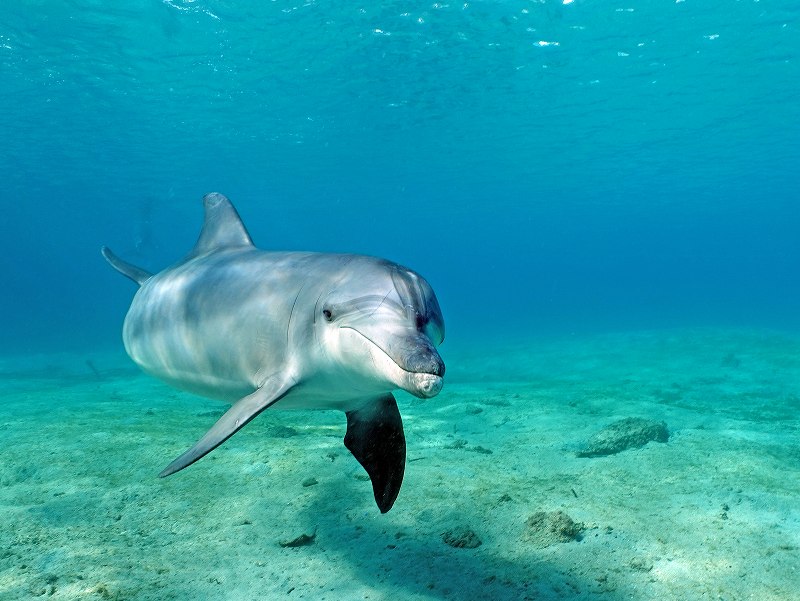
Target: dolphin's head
pixel 383 323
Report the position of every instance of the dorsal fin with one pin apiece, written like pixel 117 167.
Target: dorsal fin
pixel 137 274
pixel 222 227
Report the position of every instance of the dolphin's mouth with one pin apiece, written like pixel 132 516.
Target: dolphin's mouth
pixel 413 353
pixel 421 385
pixel 420 367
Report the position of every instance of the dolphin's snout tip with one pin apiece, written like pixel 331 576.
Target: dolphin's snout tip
pixel 427 385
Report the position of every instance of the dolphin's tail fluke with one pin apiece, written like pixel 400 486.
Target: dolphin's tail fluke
pixel 137 274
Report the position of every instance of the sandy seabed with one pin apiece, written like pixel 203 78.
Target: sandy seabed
pixel 714 513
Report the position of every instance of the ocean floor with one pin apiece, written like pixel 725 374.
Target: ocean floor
pixel 282 511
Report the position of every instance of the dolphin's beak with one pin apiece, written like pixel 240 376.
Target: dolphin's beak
pixel 423 386
pixel 421 363
pixel 414 353
pixel 421 368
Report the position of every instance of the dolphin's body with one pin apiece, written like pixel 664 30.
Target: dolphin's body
pixel 300 329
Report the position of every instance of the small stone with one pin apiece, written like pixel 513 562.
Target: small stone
pixel 300 541
pixel 628 433
pixel 545 528
pixel 461 537
pixel 310 482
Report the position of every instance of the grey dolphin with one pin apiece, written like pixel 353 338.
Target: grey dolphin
pixel 301 329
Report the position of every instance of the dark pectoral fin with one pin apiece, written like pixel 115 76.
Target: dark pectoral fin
pixel 242 412
pixel 375 437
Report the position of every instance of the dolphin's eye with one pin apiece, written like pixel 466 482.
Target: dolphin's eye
pixel 420 322
pixel 327 314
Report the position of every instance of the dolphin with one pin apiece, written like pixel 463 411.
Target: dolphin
pixel 292 329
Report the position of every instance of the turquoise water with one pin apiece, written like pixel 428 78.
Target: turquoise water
pixel 604 196
pixel 546 165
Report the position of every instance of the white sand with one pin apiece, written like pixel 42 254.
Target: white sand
pixel 712 514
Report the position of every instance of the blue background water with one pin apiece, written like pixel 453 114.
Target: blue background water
pixel 548 167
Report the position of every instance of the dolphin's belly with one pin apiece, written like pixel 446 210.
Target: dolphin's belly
pixel 209 327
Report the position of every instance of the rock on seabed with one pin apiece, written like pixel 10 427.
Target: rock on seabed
pixel 628 433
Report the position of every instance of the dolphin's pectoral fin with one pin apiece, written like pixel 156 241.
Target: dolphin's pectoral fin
pixel 242 412
pixel 375 437
pixel 137 274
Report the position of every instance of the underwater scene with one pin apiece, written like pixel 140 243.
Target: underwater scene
pixel 491 300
